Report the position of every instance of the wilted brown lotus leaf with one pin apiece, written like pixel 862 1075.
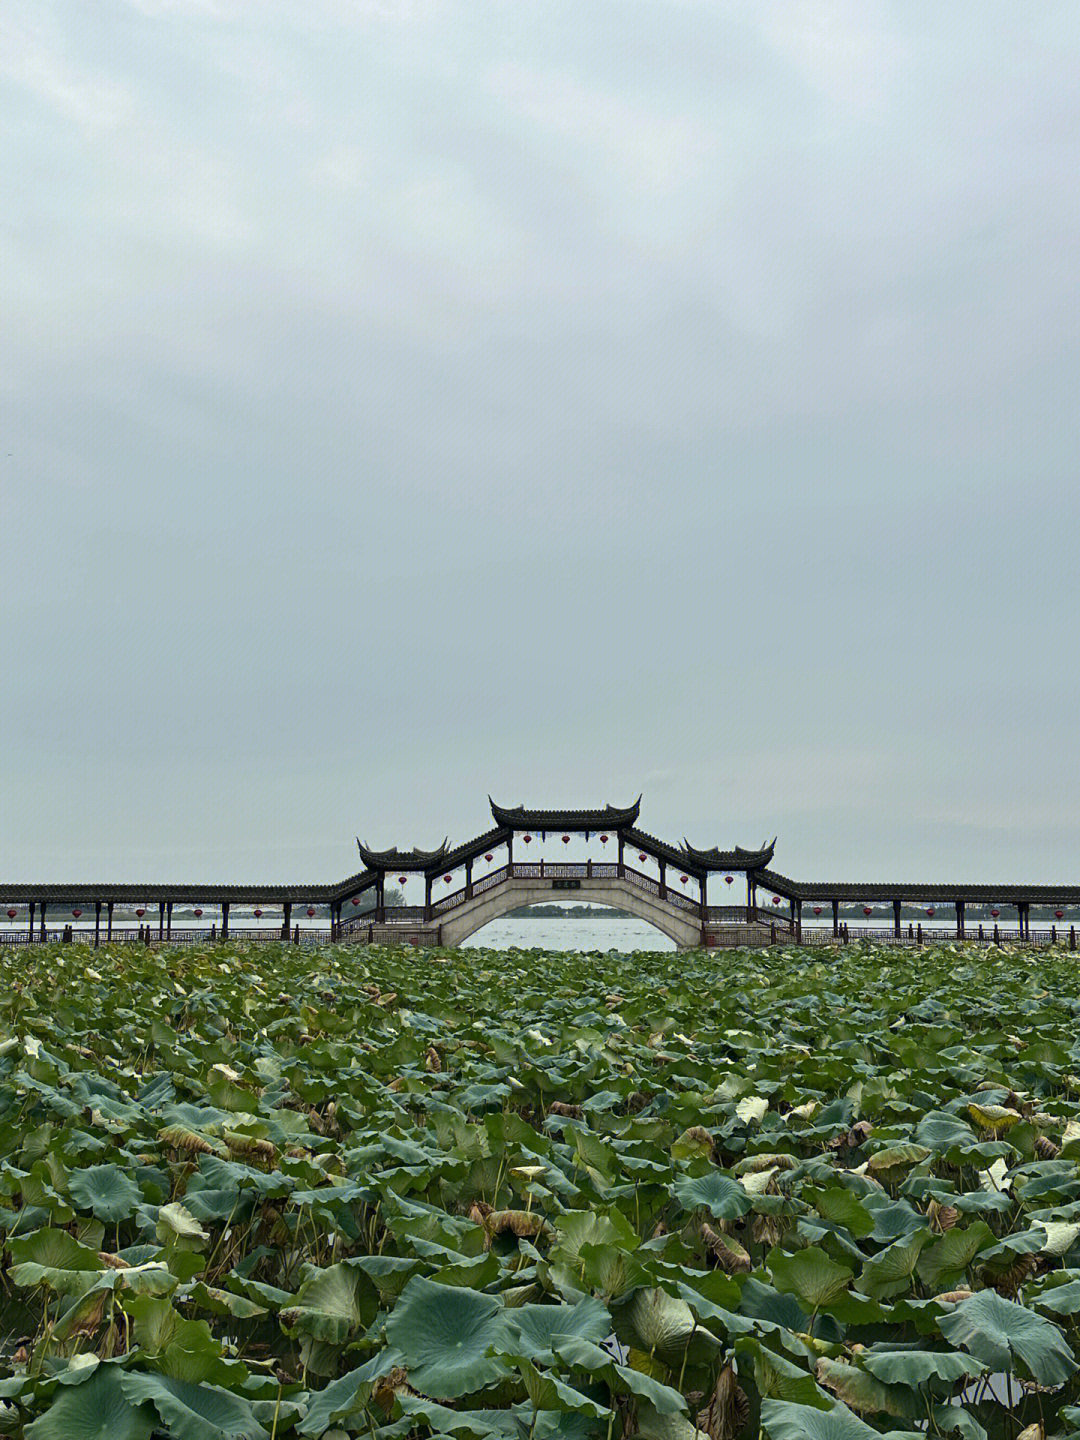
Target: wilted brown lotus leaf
pixel 112 1262
pixel 432 1063
pixel 1007 1282
pixel 1032 1432
pixel 727 1252
pixel 767 1230
pixel 1046 1149
pixel 387 1386
pixel 565 1107
pixel 479 1210
pixel 190 1142
pixel 753 1164
pixel 728 1410
pixel 941 1217
pixel 249 1145
pixel 522 1223
pixel 953 1297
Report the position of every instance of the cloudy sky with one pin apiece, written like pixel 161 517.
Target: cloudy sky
pixel 409 399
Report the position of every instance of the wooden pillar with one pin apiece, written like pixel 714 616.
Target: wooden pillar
pixel 621 859
pixel 896 919
pixel 663 880
pixel 427 897
pixel 468 879
pixel 510 851
pixel 960 919
pixel 286 919
pixel 168 919
pixel 797 919
pixel 836 918
pixel 749 898
pixel 380 896
pixel 224 919
pixel 161 920
pixel 704 882
pixel 108 922
pixel 1024 912
pixel 97 923
pixel 30 932
pixel 44 933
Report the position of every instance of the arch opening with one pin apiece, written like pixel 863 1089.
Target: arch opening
pixel 572 926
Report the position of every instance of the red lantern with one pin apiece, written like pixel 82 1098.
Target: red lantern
pixel 11 914
pixel 401 879
pixel 776 899
pixel 140 912
pixel 603 839
pixel 566 839
pixel 995 913
pixel 527 839
pixel 683 879
pixel 76 913
pixel 310 911
pixel 489 858
pixel 356 900
pixel 866 910
pixel 258 913
pixel 728 879
pixel 198 914
pixel 1059 914
pixel 930 911
pixel 817 909
pixel 447 879
pixel 641 855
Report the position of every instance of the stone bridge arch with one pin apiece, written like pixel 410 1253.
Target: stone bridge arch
pixel 681 925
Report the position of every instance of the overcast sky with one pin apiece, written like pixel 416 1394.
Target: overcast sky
pixel 404 400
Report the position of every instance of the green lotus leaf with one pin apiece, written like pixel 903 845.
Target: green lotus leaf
pixel 106 1191
pixel 538 1325
pixel 890 1272
pixel 347 1395
pixel 944 1264
pixel 720 1195
pixel 194 1412
pixel 864 1393
pixel 53 1258
pixel 588 1358
pixel 332 1304
pixel 98 1409
pixel 840 1207
pixel 175 1223
pixel 810 1275
pixel 919 1367
pixel 446 1334
pixel 1003 1334
pixel 786 1420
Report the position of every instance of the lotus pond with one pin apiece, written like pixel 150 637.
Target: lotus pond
pixel 263 1192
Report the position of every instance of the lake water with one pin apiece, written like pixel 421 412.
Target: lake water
pixel 543 933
